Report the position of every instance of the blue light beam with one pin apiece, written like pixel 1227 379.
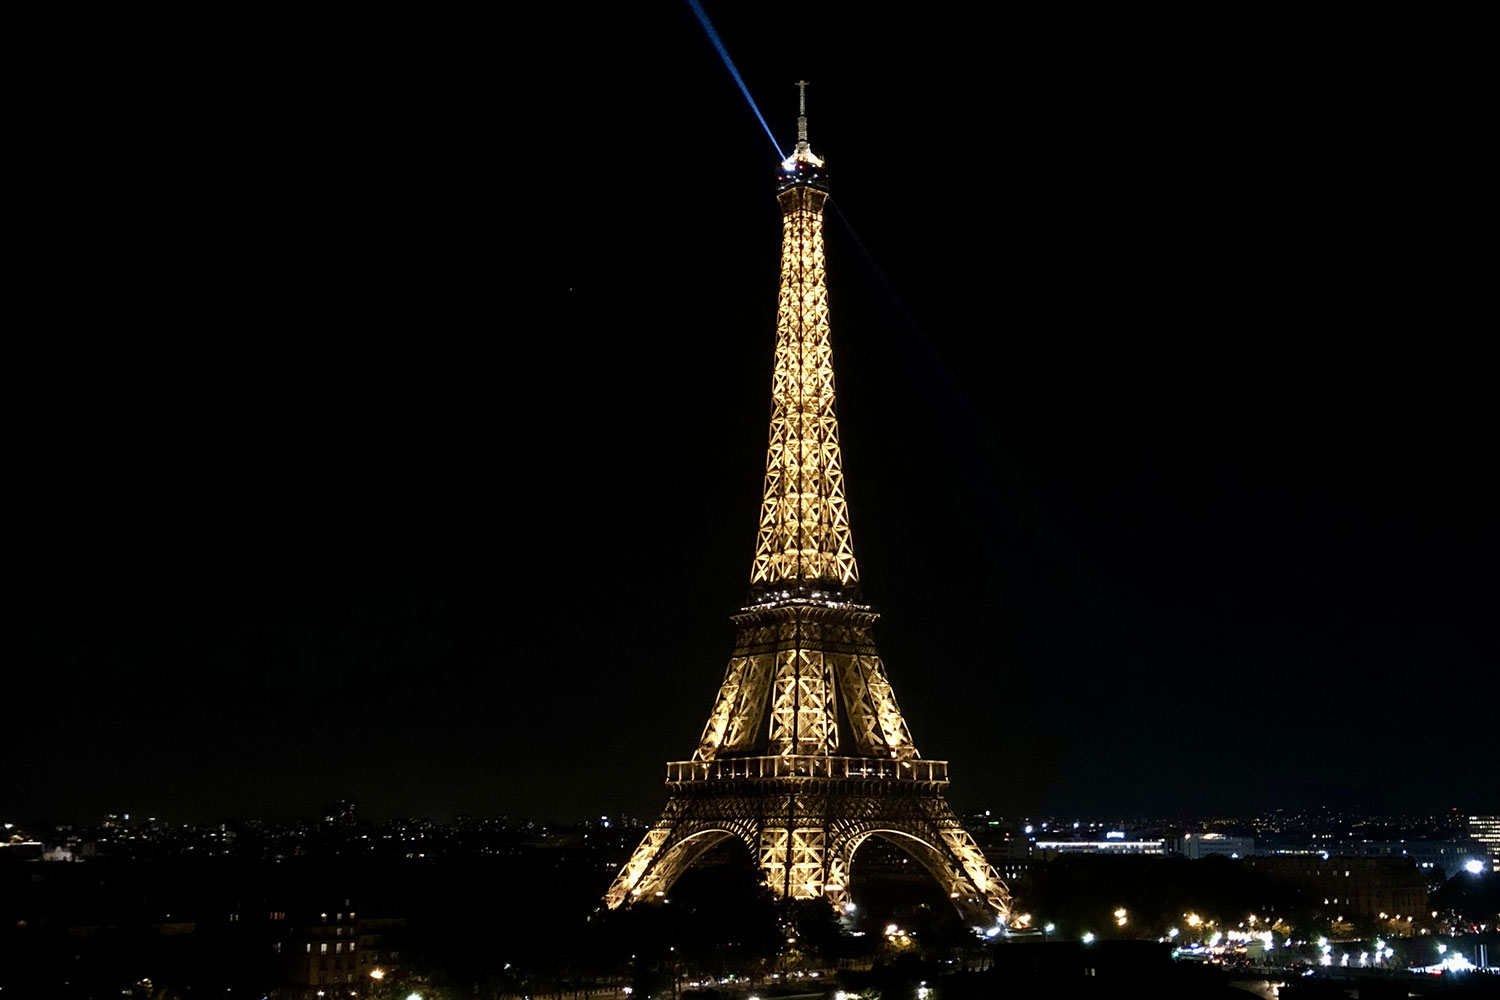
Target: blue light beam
pixel 713 36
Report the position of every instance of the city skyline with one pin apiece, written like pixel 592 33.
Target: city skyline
pixel 444 505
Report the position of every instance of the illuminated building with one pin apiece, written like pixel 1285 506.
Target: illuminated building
pixel 19 848
pixel 779 767
pixel 1051 847
pixel 1486 830
pixel 322 949
pixel 1447 856
pixel 1201 845
pixel 339 947
pixel 340 813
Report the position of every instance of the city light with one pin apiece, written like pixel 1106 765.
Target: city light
pixel 1474 867
pixel 1049 928
pixel 1088 938
pixel 377 973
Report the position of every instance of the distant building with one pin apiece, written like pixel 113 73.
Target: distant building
pixel 1008 850
pixel 1202 845
pixel 1109 846
pixel 19 848
pixel 1486 830
pixel 1447 856
pixel 1358 887
pixel 340 813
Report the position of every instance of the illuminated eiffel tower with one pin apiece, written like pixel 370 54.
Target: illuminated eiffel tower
pixel 804 673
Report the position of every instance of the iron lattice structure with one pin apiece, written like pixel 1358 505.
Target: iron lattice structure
pixel 769 769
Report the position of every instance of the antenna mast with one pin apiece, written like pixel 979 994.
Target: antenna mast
pixel 801 116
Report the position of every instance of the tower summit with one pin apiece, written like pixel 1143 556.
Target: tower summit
pixel 805 754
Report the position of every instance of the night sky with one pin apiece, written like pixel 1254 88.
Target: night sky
pixel 390 420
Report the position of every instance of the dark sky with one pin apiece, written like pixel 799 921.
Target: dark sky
pixel 392 408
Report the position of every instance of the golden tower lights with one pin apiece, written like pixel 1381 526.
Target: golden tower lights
pixel 770 768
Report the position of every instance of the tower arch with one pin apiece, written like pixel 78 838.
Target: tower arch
pixel 968 891
pixel 665 854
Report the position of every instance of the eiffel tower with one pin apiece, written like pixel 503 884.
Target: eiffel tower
pixel 804 675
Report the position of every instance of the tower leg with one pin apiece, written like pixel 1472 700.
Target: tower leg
pixel 672 846
pixel 930 832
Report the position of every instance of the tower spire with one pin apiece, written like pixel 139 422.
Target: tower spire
pixel 802 154
pixel 801 116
